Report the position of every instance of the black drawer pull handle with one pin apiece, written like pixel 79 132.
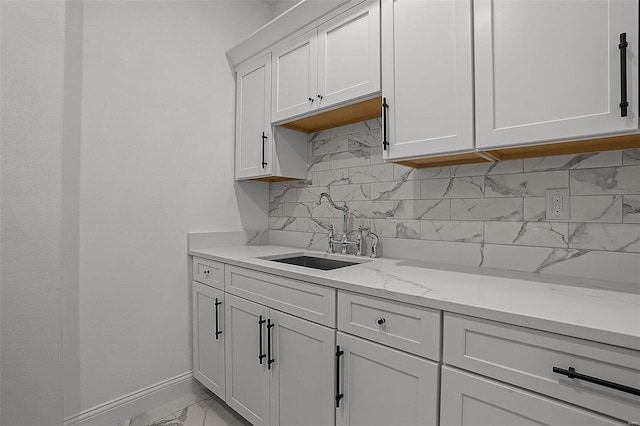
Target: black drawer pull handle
pixel 571 373
pixel 623 74
pixel 260 354
pixel 264 139
pixel 270 360
pixel 218 332
pixel 385 108
pixel 339 395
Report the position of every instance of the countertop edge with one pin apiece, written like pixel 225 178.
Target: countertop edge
pixel 609 337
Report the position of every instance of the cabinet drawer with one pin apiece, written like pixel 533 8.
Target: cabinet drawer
pixel 208 272
pixel 302 299
pixel 470 400
pixel 409 328
pixel 526 358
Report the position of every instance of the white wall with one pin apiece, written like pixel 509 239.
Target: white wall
pixel 155 162
pixel 32 49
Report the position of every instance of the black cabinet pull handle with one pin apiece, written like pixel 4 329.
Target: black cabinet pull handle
pixel 623 74
pixel 339 395
pixel 385 108
pixel 264 138
pixel 260 354
pixel 269 359
pixel 218 332
pixel 311 100
pixel 571 373
pixel 320 96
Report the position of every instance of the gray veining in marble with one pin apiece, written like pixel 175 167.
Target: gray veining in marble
pixel 541 234
pixel 631 209
pixel 631 157
pixel 603 208
pixel 578 161
pixel 499 200
pixel 396 228
pixel 480 169
pixel 535 209
pixel 506 209
pixel 441 230
pixel 422 209
pixel 604 236
pixel 460 187
pixel 525 184
pixel 609 180
pixel 372 173
pixel 396 190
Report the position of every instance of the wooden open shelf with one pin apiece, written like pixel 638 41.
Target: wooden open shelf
pixel 359 111
pixel 445 160
pixel 273 179
pixel 563 148
pixel 610 143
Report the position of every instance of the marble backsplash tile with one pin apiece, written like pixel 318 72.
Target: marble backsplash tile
pixel 499 203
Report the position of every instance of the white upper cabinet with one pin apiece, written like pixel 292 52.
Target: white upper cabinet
pixel 295 76
pixel 427 77
pixel 349 55
pixel 264 151
pixel 551 70
pixel 334 63
pixel 253 118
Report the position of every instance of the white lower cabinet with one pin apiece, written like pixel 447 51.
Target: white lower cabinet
pixel 383 386
pixel 470 400
pixel 279 367
pixel 302 379
pixel 208 337
pixel 247 374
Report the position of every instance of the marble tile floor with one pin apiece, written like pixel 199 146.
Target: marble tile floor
pixel 199 408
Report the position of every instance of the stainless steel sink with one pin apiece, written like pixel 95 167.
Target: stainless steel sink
pixel 323 263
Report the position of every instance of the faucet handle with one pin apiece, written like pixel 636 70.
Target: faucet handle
pixel 330 238
pixel 374 243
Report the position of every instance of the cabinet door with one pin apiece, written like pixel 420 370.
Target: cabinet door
pixel 295 76
pixel 302 379
pixel 550 70
pixel 247 377
pixel 208 337
pixel 383 386
pixel 349 55
pixel 253 119
pixel 427 76
pixel 471 400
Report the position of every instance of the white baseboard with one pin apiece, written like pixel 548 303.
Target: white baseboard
pixel 125 407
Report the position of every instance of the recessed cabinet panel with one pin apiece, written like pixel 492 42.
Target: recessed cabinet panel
pixel 383 386
pixel 427 77
pixel 253 119
pixel 526 358
pixel 550 70
pixel 295 76
pixel 470 400
pixel 349 55
pixel 302 383
pixel 247 384
pixel 209 337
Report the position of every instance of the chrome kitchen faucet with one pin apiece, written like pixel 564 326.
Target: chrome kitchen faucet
pixel 344 242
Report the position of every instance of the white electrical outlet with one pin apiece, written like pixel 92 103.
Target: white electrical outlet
pixel 557 204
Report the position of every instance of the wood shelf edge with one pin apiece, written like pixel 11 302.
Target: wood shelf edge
pixel 610 143
pixel 352 113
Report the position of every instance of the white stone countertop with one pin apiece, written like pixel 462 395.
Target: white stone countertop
pixel 590 313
